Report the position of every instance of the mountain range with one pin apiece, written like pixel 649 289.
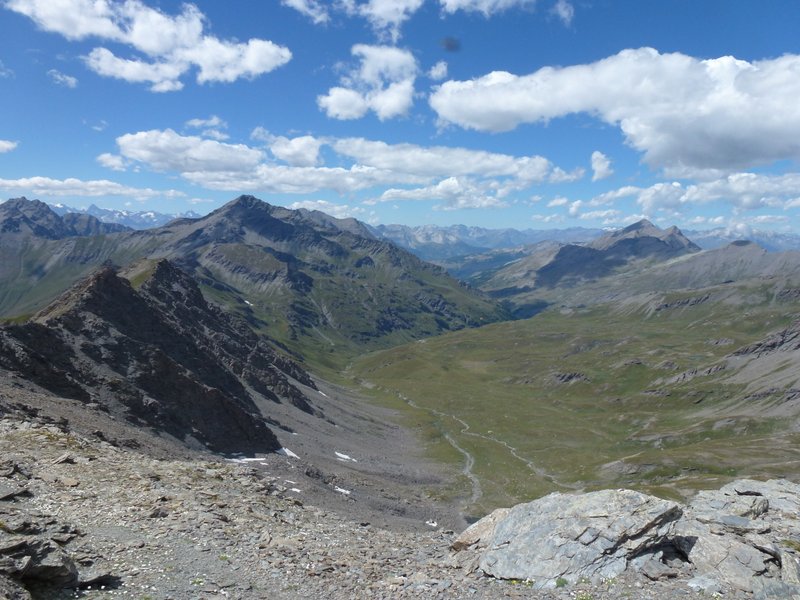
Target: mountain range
pixel 220 332
pixel 128 218
pixel 456 244
pixel 315 283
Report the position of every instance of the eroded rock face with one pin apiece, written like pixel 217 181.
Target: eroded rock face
pixel 743 537
pixel 572 537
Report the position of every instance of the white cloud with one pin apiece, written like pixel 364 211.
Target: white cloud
pixel 112 161
pixel 261 134
pixel 310 8
pixel 487 7
pixel 340 211
pixel 560 201
pixel 443 161
pixel 681 112
pixel 169 151
pixel 564 11
pixel 343 104
pixel 62 79
pixel 559 175
pixel 553 218
pixel 5 71
pixel 601 166
pixel 438 71
pixel 385 16
pixel 7 146
pixel 458 176
pixel 45 186
pixel 383 83
pixel 743 191
pixel 171 45
pixel 456 192
pixel 213 121
pixel 608 216
pixel 211 127
pixel 301 151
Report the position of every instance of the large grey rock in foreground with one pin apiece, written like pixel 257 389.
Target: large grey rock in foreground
pixel 573 537
pixel 746 536
pixel 743 538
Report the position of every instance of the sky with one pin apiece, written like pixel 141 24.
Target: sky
pixel 495 113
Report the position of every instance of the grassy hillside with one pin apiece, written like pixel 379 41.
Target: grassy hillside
pixel 631 395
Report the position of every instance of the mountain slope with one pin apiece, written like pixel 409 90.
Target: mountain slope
pixel 318 284
pixel 157 355
pixel 544 271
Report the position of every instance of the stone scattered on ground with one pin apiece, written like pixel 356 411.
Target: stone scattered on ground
pixel 82 518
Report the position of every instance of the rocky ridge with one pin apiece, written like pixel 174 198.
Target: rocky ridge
pixel 158 356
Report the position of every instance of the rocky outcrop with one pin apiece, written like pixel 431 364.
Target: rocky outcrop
pixel 158 355
pixel 571 537
pixel 743 537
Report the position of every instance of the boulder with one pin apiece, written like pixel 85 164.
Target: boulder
pixel 739 535
pixel 574 537
pixel 744 538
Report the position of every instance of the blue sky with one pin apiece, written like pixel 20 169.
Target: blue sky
pixel 499 113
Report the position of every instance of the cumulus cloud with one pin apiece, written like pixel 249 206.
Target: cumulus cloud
pixel 385 16
pixel 5 71
pixel 438 71
pixel 455 192
pixel 61 79
pixel 564 10
pixel 169 151
pixel 383 83
pixel 170 45
pixel 601 166
pixel 45 186
pixel 560 201
pixel 458 177
pixel 681 112
pixel 487 7
pixel 302 151
pixel 559 175
pixel 7 146
pixel 211 127
pixel 443 161
pixel 340 211
pixel 112 161
pixel 312 9
pixel 743 191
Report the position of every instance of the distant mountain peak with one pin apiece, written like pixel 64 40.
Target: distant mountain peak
pixel 671 237
pixel 641 225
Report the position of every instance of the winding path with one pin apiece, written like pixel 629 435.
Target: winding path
pixel 469 460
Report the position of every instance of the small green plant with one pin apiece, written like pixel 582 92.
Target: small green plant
pixel 198 581
pixel 584 596
pixel 224 557
pixel 561 582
